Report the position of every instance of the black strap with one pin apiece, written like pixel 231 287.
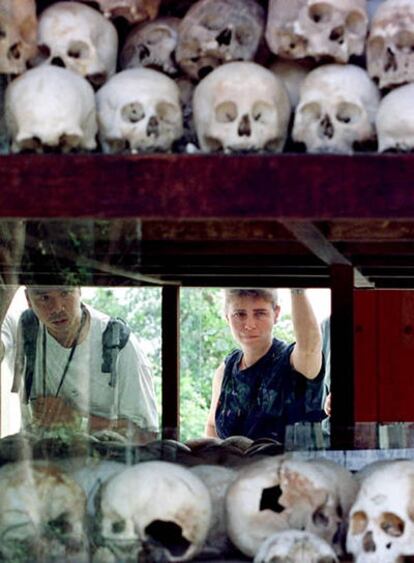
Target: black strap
pixel 30 329
pixel 114 338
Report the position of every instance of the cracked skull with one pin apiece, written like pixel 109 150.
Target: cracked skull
pixel 18 31
pixel 79 38
pixel 214 32
pixel 139 110
pixel 152 44
pixel 159 505
pixel 390 45
pixel 337 109
pixel 381 519
pixel 313 28
pixel 50 107
pixel 241 106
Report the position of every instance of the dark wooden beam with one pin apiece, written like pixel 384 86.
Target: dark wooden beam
pixel 342 356
pixel 170 310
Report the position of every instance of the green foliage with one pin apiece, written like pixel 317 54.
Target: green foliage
pixel 205 341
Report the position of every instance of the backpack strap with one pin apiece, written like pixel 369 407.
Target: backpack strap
pixel 29 325
pixel 114 338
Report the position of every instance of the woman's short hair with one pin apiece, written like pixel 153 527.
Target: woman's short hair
pixel 268 294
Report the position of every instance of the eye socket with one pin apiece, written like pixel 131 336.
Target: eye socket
pixel 376 47
pixel 392 524
pixel 359 522
pixel 132 113
pixel 211 23
pixel 78 50
pixel 118 527
pixel 404 41
pixel 347 113
pixel 60 525
pixel 320 13
pixel 243 36
pixel 262 112
pixel 226 112
pixel 167 112
pixel 311 112
pixel 356 23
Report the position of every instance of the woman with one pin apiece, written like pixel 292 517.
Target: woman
pixel 267 383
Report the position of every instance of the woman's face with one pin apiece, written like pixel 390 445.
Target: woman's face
pixel 251 321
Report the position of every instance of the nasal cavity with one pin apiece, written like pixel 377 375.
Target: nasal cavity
pixel 326 127
pixel 153 126
pixel 270 499
pixel 57 61
pixel 244 129
pixel 224 37
pixel 368 543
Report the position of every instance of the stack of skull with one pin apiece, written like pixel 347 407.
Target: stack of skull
pixel 218 500
pixel 221 75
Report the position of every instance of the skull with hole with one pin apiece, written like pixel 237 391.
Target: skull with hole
pixel 50 108
pixel 133 11
pixel 337 109
pixel 381 519
pixel 390 45
pixel 139 110
pixel 334 29
pixel 159 505
pixel 395 120
pixel 278 494
pixel 293 546
pixel 214 32
pixel 77 37
pixel 42 511
pixel 217 480
pixel 241 106
pixel 152 44
pixel 18 34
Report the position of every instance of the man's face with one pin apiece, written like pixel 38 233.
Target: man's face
pixel 251 320
pixel 58 307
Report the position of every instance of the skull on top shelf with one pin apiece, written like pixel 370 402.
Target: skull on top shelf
pixel 214 32
pixel 18 35
pixel 319 29
pixel 133 11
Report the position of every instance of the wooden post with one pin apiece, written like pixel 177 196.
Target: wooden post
pixel 342 357
pixel 170 311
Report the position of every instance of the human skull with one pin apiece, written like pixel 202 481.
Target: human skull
pixel 133 11
pixel 217 480
pixel 18 31
pixel 295 546
pixel 50 107
pixel 317 28
pixel 381 519
pixel 42 513
pixel 278 494
pixel 139 110
pixel 337 109
pixel 395 120
pixel 77 37
pixel 390 45
pixel 152 44
pixel 214 32
pixel 156 503
pixel 241 106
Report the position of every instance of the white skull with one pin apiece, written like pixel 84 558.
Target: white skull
pixel 152 44
pixel 18 29
pixel 133 11
pixel 241 106
pixel 42 510
pixel 79 38
pixel 156 503
pixel 317 28
pixel 295 546
pixel 217 480
pixel 395 120
pixel 214 32
pixel 50 107
pixel 381 519
pixel 278 494
pixel 390 45
pixel 139 110
pixel 337 109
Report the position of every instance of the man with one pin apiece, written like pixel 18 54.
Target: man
pixel 69 383
pixel 267 384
